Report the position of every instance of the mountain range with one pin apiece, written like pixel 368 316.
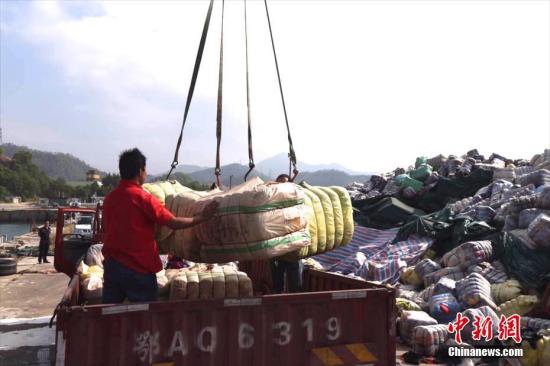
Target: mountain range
pixel 279 164
pixel 233 174
pixel 70 168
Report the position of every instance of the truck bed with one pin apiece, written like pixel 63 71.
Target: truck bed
pixel 336 321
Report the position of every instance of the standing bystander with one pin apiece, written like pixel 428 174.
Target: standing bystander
pixel 293 269
pixel 44 234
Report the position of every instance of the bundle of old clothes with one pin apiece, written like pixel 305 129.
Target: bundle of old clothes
pixel 472 280
pixel 180 280
pixel 484 225
pixel 256 220
pixel 432 183
pixel 472 200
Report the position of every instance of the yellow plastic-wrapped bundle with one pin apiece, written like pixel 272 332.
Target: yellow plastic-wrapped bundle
pixel 86 271
pixel 543 348
pixel 319 221
pixel 163 189
pixel 311 227
pixel 167 187
pixel 328 211
pixel 337 214
pixel 178 188
pixel 538 356
pixel 404 304
pixel 347 213
pixel 333 217
pixel 521 305
pixel 330 220
pixel 409 276
pixel 508 290
pixel 156 191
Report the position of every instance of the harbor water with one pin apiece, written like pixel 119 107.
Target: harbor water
pixel 9 230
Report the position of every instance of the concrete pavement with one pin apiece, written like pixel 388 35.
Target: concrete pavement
pixel 27 301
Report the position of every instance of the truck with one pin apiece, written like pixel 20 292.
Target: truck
pixel 83 226
pixel 336 320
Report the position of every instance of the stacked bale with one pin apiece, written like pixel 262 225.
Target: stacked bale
pixel 215 283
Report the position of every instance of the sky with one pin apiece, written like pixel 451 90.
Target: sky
pixel 367 84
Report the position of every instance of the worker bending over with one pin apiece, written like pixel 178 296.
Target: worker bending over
pixel 129 217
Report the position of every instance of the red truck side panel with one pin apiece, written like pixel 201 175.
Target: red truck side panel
pixel 294 329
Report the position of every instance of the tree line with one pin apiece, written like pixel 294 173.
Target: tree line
pixel 55 165
pixel 19 176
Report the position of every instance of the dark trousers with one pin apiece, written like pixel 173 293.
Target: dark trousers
pixel 294 271
pixel 43 248
pixel 121 282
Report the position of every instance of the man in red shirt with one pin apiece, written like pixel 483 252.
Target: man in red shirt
pixel 129 217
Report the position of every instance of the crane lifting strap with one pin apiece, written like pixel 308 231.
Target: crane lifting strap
pixel 217 171
pixel 192 86
pixel 251 164
pixel 293 171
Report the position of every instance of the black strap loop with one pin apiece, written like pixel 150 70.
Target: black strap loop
pixel 192 86
pixel 217 171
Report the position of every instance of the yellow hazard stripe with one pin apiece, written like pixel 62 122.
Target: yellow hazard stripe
pixel 361 352
pixel 327 356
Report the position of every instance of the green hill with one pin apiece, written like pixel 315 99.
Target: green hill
pixel 55 165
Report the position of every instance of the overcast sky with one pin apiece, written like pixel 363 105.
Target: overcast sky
pixel 368 84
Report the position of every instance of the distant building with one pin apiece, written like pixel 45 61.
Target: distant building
pixel 14 199
pixel 92 175
pixel 43 202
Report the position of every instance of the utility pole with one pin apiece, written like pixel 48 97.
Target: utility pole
pixel 230 181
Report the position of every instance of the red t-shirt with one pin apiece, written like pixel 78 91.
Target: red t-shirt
pixel 129 217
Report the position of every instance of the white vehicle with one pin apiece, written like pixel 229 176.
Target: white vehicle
pixel 83 226
pixel 74 202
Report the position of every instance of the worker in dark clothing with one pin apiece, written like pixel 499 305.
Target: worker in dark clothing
pixel 294 269
pixel 44 234
pixel 129 217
